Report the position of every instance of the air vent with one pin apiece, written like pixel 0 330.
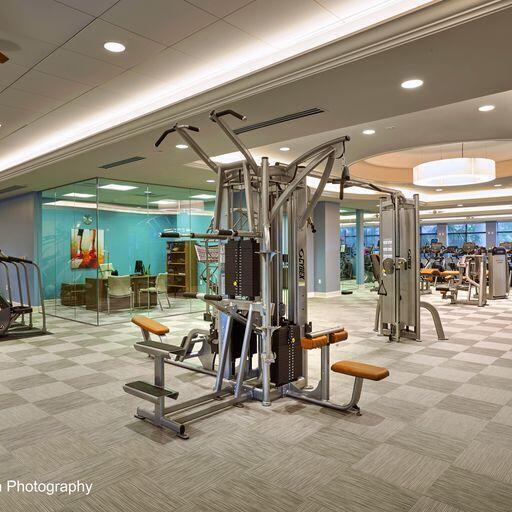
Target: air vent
pixel 11 189
pixel 279 120
pixel 122 162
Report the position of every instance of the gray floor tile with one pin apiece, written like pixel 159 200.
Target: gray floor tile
pixel 433 445
pixel 471 492
pixel 460 426
pixel 402 468
pixel 462 405
pixel 490 460
pixel 355 491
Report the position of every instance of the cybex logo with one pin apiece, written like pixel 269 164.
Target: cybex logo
pixel 302 270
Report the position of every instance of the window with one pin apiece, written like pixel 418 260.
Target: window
pixel 348 236
pixel 427 233
pixel 458 234
pixel 503 232
pixel 371 236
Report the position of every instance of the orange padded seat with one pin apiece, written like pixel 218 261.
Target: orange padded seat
pixel 356 369
pixel 335 337
pixel 311 343
pixel 449 274
pixel 150 325
pixel 429 272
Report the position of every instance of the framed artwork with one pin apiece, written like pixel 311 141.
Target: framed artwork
pixel 87 248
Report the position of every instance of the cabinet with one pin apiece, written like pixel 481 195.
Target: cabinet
pixel 181 267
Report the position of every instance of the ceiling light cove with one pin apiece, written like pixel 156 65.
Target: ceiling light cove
pixel 498 185
pixel 114 47
pixel 79 195
pixel 115 186
pixel 412 83
pixel 368 131
pixel 181 146
pixel 486 108
pixel 225 64
pixel 284 148
pixel 202 196
pixel 452 172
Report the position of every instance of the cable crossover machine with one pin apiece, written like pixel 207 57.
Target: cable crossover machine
pixel 397 314
pixel 260 324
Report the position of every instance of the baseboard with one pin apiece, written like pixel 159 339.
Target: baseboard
pixel 324 295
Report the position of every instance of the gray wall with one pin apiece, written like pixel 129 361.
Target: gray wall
pixel 19 229
pixel 327 247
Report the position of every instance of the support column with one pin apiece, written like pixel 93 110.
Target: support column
pixel 442 234
pixel 327 249
pixel 490 228
pixel 359 247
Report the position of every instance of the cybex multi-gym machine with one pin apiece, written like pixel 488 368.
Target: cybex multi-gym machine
pixel 260 323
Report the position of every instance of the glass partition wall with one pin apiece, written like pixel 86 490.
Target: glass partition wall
pixel 103 260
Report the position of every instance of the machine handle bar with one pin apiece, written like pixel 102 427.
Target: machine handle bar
pixel 214 115
pixel 203 296
pixel 173 129
pixel 325 332
pixel 13 259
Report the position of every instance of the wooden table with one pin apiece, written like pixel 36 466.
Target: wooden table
pixel 96 294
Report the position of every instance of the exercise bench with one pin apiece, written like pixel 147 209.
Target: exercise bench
pixel 155 393
pixel 360 371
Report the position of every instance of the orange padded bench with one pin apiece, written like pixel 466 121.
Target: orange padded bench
pixel 320 395
pixel 361 370
pixel 150 325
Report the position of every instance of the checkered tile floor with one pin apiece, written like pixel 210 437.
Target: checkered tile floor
pixel 435 436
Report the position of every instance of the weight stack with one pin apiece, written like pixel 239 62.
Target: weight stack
pixel 242 268
pixel 286 346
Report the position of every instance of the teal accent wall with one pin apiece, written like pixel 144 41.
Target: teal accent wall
pixel 127 237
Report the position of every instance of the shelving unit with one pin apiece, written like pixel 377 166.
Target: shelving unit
pixel 181 267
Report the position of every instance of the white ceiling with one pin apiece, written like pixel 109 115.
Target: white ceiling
pixel 462 68
pixel 60 85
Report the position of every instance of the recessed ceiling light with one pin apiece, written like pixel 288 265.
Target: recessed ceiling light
pixel 181 146
pixel 202 196
pixel 412 83
pixel 284 148
pixel 486 108
pixel 498 185
pixel 114 47
pixel 460 205
pixel 78 194
pixel 115 186
pixel 368 131
pixel 164 201
pixel 210 181
pixel 439 189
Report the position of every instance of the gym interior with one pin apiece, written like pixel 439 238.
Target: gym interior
pixel 255 255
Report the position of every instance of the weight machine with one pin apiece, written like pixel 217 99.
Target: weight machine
pixel 398 309
pixel 16 316
pixel 470 276
pixel 261 217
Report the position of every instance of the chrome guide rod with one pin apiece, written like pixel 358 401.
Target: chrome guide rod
pixel 248 196
pixel 266 311
pixel 416 268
